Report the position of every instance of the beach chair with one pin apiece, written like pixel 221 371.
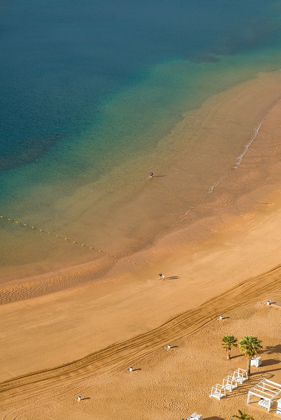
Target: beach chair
pixel 229 383
pixel 240 375
pixel 218 391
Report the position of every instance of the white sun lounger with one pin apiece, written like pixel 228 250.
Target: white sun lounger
pixel 240 375
pixel 218 391
pixel 195 416
pixel 229 383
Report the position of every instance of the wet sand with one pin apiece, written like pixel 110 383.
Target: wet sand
pixel 222 254
pixel 125 212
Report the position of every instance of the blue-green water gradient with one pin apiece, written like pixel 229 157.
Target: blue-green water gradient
pixel 88 85
pixel 61 61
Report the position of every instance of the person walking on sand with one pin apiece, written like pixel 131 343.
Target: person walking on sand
pixel 151 174
pixel 160 276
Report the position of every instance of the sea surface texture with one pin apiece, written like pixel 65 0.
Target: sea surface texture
pixel 91 95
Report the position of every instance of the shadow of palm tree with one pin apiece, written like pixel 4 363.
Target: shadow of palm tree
pixel 272 349
pixel 265 373
pixel 237 355
pixel 270 362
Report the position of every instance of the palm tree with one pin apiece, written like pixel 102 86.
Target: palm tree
pixel 228 342
pixel 243 416
pixel 250 347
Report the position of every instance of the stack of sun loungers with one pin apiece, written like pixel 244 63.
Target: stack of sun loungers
pixel 256 361
pixel 195 416
pixel 264 403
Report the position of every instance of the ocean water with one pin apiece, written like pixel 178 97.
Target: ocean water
pixel 88 91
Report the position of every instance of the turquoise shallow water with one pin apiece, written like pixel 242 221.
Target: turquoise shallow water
pixel 87 87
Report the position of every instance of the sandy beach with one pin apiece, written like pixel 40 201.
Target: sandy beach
pixel 165 383
pixel 76 331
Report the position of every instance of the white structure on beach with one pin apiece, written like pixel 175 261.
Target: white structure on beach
pixel 218 391
pixel 256 361
pixel 267 391
pixel 229 383
pixel 278 409
pixel 241 375
pixel 195 416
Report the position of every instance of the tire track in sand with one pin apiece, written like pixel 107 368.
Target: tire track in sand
pixel 132 350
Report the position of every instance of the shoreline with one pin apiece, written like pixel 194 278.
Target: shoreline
pixel 99 269
pixel 213 250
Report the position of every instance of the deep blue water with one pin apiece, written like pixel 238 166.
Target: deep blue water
pixel 62 60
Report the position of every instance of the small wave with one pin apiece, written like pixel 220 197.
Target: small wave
pixel 247 146
pixel 207 193
pixel 211 189
pixel 238 162
pixel 239 158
